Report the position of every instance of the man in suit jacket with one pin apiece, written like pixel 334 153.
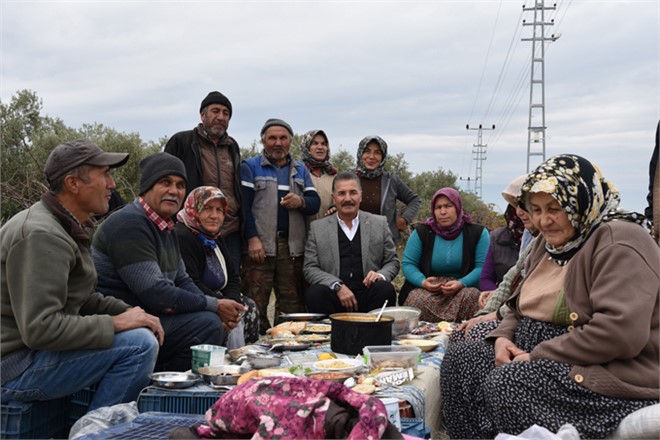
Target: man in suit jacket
pixel 350 257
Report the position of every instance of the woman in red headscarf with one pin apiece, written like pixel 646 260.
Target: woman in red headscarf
pixel 442 262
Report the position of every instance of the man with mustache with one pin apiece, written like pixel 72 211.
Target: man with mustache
pixel 278 194
pixel 59 335
pixel 213 158
pixel 350 257
pixel 137 257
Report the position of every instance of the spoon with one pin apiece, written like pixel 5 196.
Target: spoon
pixel 381 311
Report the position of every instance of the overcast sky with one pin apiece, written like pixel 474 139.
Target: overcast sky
pixel 413 72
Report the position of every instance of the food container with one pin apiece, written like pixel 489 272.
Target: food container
pixel 392 356
pixel 351 332
pixel 405 318
pixel 392 407
pixel 339 365
pixel 221 374
pixel 205 355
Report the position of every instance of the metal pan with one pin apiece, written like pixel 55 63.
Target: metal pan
pixel 174 379
pixel 302 316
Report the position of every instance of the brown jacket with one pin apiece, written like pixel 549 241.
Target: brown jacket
pixel 612 289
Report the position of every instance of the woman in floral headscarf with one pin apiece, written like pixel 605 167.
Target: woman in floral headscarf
pixel 381 190
pixel 315 150
pixel 205 255
pixel 580 342
pixel 442 262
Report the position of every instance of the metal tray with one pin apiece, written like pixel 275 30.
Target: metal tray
pixel 174 379
pixel 302 316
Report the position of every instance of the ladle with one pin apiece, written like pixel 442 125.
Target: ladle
pixel 381 311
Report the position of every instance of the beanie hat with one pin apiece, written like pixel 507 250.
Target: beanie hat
pixel 155 167
pixel 273 122
pixel 216 98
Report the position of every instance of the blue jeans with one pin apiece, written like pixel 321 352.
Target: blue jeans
pixel 121 371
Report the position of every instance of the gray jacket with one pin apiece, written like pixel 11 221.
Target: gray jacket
pixel 393 189
pixel 322 249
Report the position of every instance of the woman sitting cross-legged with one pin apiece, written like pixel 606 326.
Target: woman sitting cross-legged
pixel 203 251
pixel 580 342
pixel 442 262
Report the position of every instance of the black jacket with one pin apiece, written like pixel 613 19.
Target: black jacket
pixel 194 257
pixel 185 146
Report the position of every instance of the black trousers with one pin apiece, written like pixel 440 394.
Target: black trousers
pixel 322 299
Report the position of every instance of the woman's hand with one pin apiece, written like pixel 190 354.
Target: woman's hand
pixel 401 224
pixel 330 211
pixel 484 297
pixel 506 351
pixel 451 288
pixel 432 285
pixel 467 325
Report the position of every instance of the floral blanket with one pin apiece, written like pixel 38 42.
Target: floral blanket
pixel 288 408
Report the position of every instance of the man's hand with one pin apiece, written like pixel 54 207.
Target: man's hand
pixel 506 352
pixel 230 312
pixel 256 250
pixel 371 278
pixel 347 299
pixel 292 201
pixel 136 317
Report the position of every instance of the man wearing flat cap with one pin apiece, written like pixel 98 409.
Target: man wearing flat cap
pixel 213 158
pixel 278 195
pixel 137 257
pixel 58 334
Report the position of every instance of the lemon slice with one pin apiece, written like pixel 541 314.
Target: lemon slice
pixel 327 356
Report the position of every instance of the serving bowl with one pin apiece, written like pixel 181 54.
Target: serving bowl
pixel 339 365
pixel 405 318
pixel 331 376
pixel 221 374
pixel 424 344
pixel 260 361
pixel 174 379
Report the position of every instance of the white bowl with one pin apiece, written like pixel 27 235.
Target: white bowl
pixel 339 365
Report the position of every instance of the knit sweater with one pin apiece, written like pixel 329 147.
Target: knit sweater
pixel 142 265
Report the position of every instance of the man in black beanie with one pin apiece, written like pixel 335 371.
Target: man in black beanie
pixel 212 157
pixel 137 258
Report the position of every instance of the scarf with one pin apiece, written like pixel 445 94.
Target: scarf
pixel 587 198
pixel 360 169
pixel 454 230
pixel 195 202
pixel 323 166
pixel 514 224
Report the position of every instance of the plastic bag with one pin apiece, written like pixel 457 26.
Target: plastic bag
pixel 104 417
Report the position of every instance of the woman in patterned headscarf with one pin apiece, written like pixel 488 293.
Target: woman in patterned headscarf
pixel 442 262
pixel 580 343
pixel 381 190
pixel 315 150
pixel 204 253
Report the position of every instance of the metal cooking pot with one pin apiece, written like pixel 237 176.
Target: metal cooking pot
pixel 351 332
pixel 405 318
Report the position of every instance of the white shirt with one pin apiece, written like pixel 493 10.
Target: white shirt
pixel 351 229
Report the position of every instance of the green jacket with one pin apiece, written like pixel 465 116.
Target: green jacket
pixel 47 290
